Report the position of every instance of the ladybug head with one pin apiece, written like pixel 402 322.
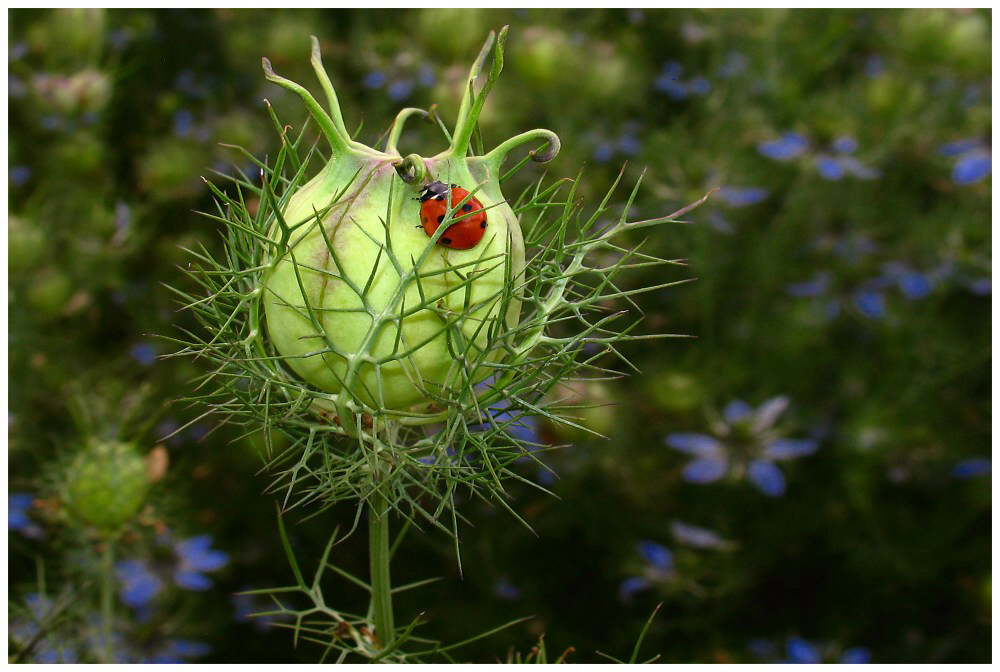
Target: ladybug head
pixel 433 190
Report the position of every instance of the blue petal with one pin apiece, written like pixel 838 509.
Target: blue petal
pixel 603 153
pixel 187 648
pixel 858 169
pixel 915 285
pixel 972 168
pixel 630 586
pixel 399 89
pixel 189 580
pixel 706 470
pixel 657 555
pixel 874 65
pixel 768 413
pixel 143 353
pixel 700 86
pixel 736 411
pixel 972 468
pixel 629 144
pixel 738 197
pixel 673 68
pixel 195 554
pixel 801 651
pixel 139 584
pixel 829 168
pixel 870 303
pixel 786 449
pixel 811 288
pixel 845 144
pixel 697 537
pixel 669 85
pixel 858 655
pixel 767 477
pixel 788 147
pixel 981 287
pixel 958 147
pixel 373 80
pixel 701 445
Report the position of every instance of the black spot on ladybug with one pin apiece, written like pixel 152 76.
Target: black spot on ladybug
pixel 439 198
pixel 440 218
pixel 467 207
pixel 424 220
pixel 446 241
pixel 483 225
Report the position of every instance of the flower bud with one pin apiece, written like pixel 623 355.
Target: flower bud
pixel 106 485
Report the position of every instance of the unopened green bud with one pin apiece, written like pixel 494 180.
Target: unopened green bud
pixel 106 485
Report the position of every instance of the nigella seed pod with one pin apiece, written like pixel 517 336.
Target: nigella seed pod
pixel 106 485
pixel 359 300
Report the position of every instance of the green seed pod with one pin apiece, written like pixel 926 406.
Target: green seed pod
pixel 360 301
pixel 106 485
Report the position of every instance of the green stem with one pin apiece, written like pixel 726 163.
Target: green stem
pixel 108 600
pixel 379 558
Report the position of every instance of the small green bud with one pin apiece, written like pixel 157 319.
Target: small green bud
pixel 106 485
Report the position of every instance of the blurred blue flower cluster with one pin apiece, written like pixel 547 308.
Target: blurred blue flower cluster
pixel 798 650
pixel 833 164
pixel 185 564
pixel 671 82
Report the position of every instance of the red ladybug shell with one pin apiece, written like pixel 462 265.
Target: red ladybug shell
pixel 467 230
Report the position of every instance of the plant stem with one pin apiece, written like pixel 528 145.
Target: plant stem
pixel 107 599
pixel 379 557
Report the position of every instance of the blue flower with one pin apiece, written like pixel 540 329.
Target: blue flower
pixel 803 652
pixel 745 445
pixel 373 80
pixel 18 520
pixel 399 89
pixel 183 123
pixel 835 167
pixel 175 651
pixel 189 560
pixel 790 145
pixel 972 168
pixel 870 303
pixel 195 557
pixel 143 353
pixel 139 584
pixel 973 467
pixel 829 168
pixel 19 175
pixel 974 160
pixel 806 653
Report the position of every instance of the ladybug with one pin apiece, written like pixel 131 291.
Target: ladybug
pixel 467 230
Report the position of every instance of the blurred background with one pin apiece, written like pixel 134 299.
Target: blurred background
pixel 807 479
